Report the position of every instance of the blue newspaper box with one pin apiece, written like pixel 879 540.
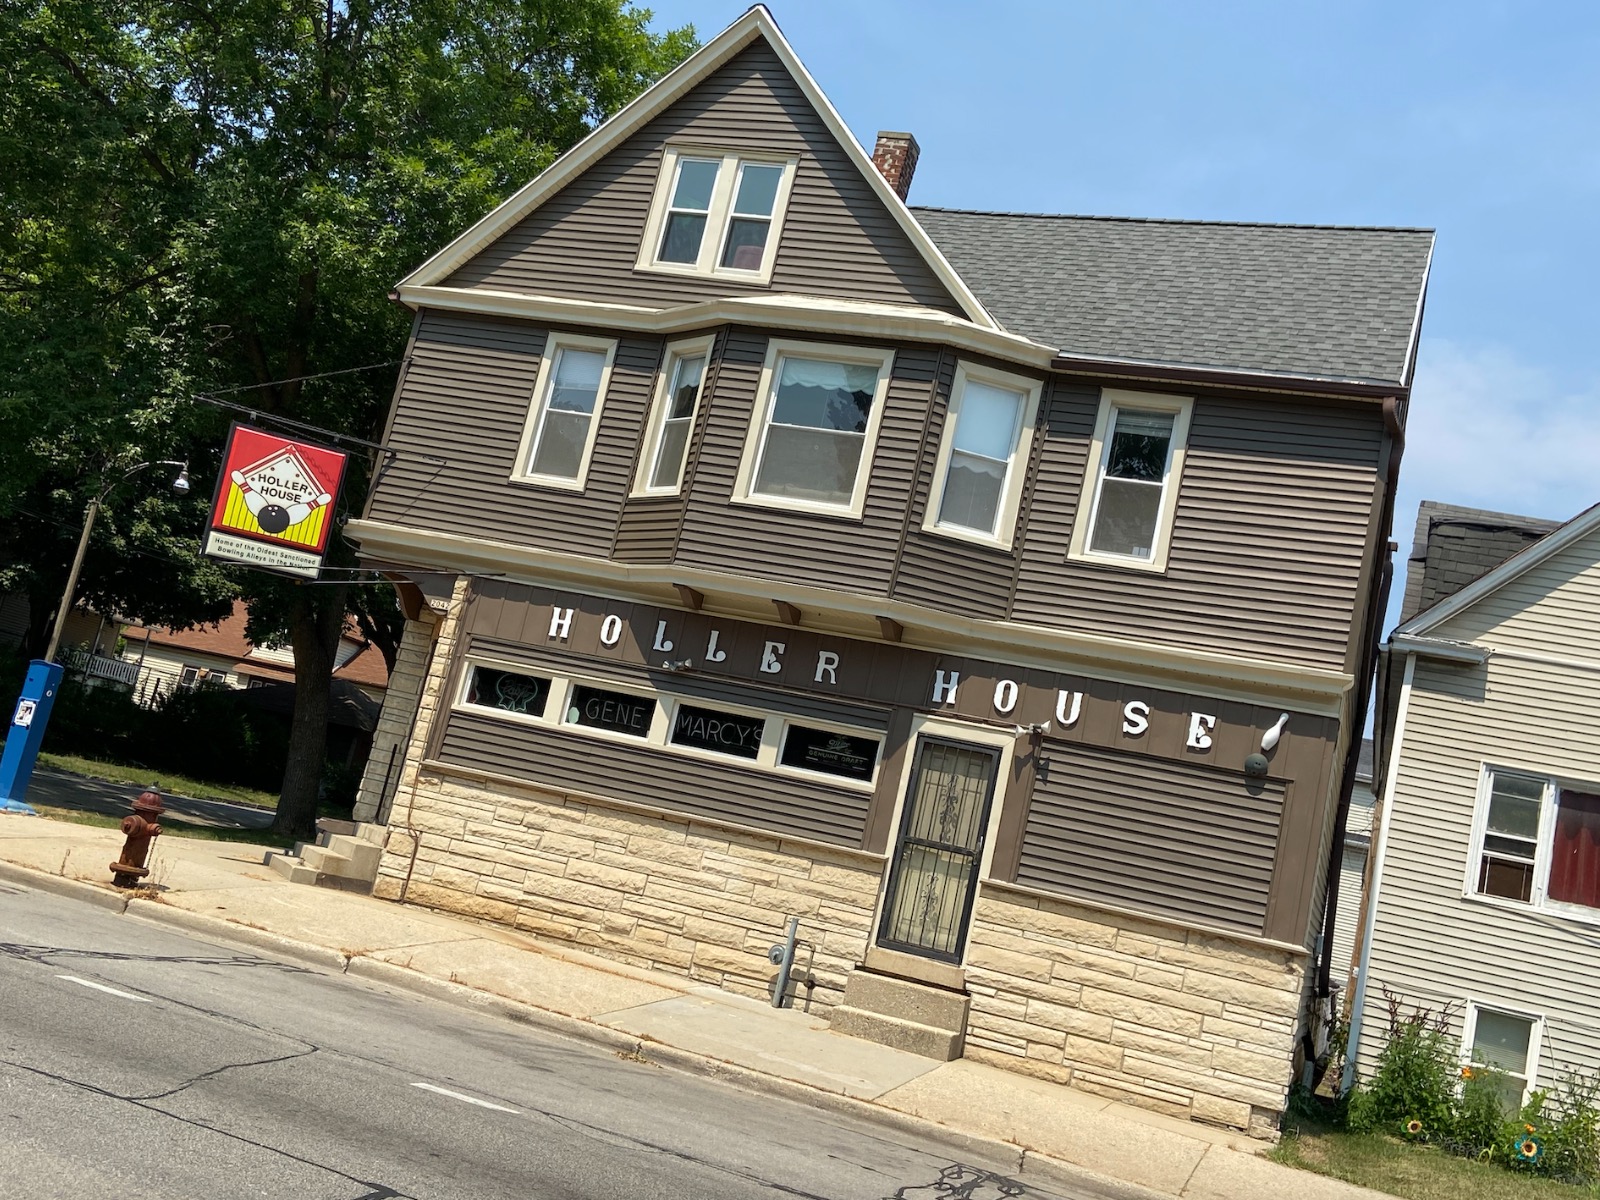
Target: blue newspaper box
pixel 26 731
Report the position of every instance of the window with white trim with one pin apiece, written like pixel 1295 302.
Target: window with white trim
pixel 982 455
pixel 558 439
pixel 717 214
pixel 811 440
pixel 1507 1045
pixel 672 418
pixel 1537 842
pixel 1130 495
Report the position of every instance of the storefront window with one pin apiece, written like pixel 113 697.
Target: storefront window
pixel 508 691
pixel 719 732
pixel 619 712
pixel 830 753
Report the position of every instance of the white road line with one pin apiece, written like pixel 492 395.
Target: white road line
pixel 428 1087
pixel 100 987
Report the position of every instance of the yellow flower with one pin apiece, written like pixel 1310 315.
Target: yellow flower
pixel 1466 1072
pixel 1529 1128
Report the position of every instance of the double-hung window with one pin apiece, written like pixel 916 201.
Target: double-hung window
pixel 559 436
pixel 677 400
pixel 1507 1044
pixel 1131 489
pixel 717 214
pixel 983 456
pixel 1537 842
pixel 815 426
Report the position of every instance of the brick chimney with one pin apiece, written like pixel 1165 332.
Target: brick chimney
pixel 896 156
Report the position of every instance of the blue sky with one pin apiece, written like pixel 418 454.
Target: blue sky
pixel 1479 120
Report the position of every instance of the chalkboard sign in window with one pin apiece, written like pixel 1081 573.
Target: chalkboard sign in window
pixel 829 752
pixel 508 691
pixel 724 733
pixel 617 711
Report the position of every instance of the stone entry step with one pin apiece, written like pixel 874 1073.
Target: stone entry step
pixel 908 1015
pixel 344 856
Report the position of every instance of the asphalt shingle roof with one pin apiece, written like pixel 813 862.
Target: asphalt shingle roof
pixel 1320 301
pixel 1454 546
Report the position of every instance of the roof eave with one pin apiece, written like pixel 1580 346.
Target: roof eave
pixel 1244 377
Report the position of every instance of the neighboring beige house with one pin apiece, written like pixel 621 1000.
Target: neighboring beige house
pixel 1487 893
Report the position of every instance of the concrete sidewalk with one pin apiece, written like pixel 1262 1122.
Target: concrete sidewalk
pixel 222 890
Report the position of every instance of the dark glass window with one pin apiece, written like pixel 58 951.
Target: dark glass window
pixel 508 691
pixel 831 753
pixel 724 733
pixel 619 712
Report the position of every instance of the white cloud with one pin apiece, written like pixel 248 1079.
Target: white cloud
pixel 1488 430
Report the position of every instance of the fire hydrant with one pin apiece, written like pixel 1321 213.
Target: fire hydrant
pixel 140 829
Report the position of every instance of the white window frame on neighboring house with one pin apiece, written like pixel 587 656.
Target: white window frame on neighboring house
pixel 1003 532
pixel 1113 401
pixel 661 407
pixel 881 360
pixel 533 427
pixel 720 214
pixel 1549 806
pixel 1469 1035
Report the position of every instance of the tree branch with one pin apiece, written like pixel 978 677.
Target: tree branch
pixel 147 152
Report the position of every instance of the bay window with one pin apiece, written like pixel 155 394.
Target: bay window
pixel 1131 487
pixel 558 438
pixel 716 214
pixel 666 445
pixel 982 456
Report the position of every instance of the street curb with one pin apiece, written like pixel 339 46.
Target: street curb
pixel 1031 1166
pixel 60 885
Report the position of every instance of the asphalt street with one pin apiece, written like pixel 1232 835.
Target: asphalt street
pixel 62 790
pixel 139 1061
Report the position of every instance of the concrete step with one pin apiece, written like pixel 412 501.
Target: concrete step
pixel 325 861
pixel 364 856
pixel 906 1000
pixel 371 831
pixel 289 866
pixel 910 1036
pixel 327 826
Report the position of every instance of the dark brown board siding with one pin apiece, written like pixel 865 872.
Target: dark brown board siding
pixel 465 399
pixel 559 760
pixel 1152 835
pixel 838 239
pixel 1267 541
pixel 853 554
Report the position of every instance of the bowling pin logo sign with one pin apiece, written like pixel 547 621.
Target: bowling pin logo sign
pixel 274 503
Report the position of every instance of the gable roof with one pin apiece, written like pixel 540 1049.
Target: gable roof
pixel 1308 301
pixel 1524 560
pixel 1455 545
pixel 755 23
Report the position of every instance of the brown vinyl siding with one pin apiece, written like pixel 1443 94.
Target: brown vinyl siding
pixel 1267 541
pixel 1153 835
pixel 465 399
pixel 838 239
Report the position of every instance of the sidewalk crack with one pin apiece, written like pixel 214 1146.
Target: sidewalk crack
pixel 1184 1190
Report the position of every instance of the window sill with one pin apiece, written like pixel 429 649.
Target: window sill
pixel 1565 912
pixel 971 537
pixel 548 483
pixel 762 278
pixel 840 512
pixel 1154 566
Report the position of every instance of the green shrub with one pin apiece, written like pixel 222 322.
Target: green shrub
pixel 1568 1124
pixel 1413 1091
pixel 1482 1122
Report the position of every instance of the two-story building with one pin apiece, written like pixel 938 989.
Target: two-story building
pixel 989 591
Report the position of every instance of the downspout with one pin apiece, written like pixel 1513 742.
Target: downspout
pixel 1370 644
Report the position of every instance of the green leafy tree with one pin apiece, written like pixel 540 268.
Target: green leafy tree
pixel 219 195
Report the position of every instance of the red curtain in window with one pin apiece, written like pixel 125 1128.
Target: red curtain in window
pixel 1575 856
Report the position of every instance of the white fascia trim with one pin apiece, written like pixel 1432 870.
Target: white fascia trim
pixel 1441 648
pixel 1408 362
pixel 1547 547
pixel 757 22
pixel 1313 689
pixel 784 311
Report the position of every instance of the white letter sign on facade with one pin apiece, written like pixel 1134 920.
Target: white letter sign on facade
pixel 769 658
pixel 1200 727
pixel 560 623
pixel 944 686
pixel 663 643
pixel 1135 717
pixel 1066 716
pixel 611 630
pixel 712 653
pixel 1005 696
pixel 827 661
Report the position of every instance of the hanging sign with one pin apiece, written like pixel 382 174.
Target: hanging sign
pixel 274 502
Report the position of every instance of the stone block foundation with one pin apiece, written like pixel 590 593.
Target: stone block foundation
pixel 1193 1025
pixel 641 887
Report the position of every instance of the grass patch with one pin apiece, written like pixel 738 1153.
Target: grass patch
pixel 1386 1164
pixel 182 785
pixel 170 827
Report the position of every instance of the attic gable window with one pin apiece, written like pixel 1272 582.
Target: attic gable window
pixel 717 215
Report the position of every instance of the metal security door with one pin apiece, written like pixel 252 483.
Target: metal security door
pixel 934 876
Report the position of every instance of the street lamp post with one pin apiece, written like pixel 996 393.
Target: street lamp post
pixel 43 681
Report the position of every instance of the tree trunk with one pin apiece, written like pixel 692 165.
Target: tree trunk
pixel 315 623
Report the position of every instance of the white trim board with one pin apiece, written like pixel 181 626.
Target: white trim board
pixel 755 23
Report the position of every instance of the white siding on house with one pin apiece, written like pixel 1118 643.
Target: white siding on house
pixel 1430 941
pixel 163 668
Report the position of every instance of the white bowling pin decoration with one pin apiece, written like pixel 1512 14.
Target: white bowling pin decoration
pixel 1269 739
